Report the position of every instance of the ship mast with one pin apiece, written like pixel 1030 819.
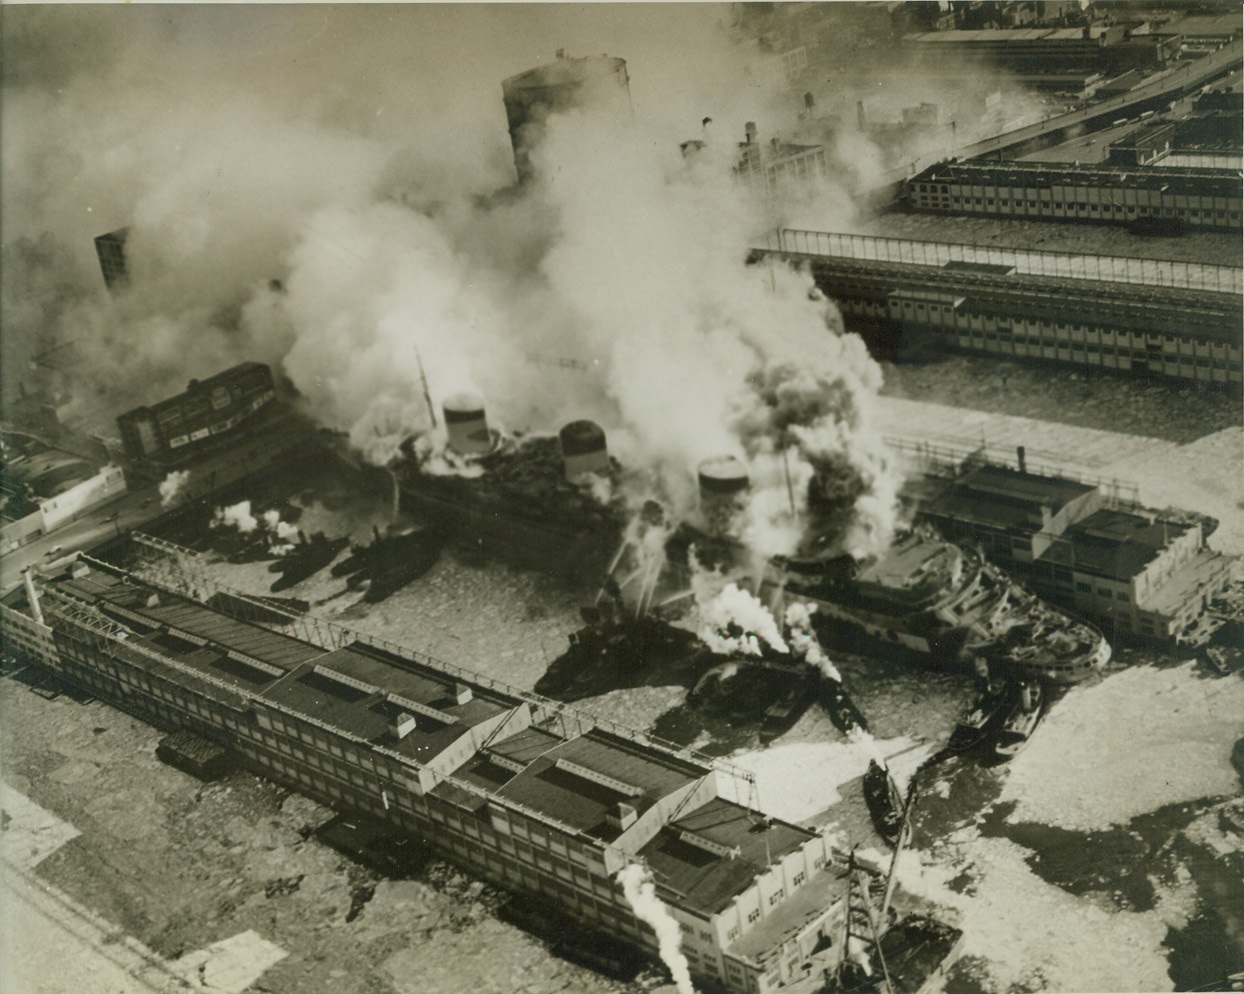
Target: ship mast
pixel 427 396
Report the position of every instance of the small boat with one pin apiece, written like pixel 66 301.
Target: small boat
pixel 398 560
pixel 1027 708
pixel 846 717
pixel 782 714
pixel 1221 658
pixel 306 559
pixel 987 710
pixel 885 802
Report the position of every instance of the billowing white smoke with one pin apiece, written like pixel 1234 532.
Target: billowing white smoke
pixel 857 951
pixel 803 640
pixel 283 531
pixel 236 516
pixel 641 892
pixel 281 535
pixel 172 487
pixel 392 247
pixel 721 607
pixel 687 349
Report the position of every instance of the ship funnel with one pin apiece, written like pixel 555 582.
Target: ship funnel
pixel 723 486
pixel 583 449
pixel 466 424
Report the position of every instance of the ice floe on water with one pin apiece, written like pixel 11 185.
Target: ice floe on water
pixel 801 779
pixel 1032 934
pixel 1136 741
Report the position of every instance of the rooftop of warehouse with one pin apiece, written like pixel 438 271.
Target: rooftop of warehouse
pixel 1004 497
pixel 580 781
pixel 706 881
pixel 1004 35
pixel 130 600
pixel 200 387
pixel 522 748
pixel 358 691
pixel 1193 180
pixel 1114 544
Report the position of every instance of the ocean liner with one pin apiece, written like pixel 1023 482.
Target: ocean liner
pixel 553 503
pixel 540 501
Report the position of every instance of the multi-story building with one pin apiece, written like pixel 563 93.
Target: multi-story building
pixel 1182 321
pixel 110 248
pixel 523 791
pixel 181 425
pixel 1118 194
pixel 779 167
pixel 1096 48
pixel 1140 572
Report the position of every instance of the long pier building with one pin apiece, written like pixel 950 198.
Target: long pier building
pixel 1177 320
pixel 534 796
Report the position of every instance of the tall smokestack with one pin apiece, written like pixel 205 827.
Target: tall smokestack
pixel 32 595
pixel 723 486
pixel 1020 455
pixel 466 424
pixel 584 449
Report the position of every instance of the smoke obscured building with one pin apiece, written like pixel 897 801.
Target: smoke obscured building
pixel 523 791
pixel 110 248
pixel 598 82
pixel 778 167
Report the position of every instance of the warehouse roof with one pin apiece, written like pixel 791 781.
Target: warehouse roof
pixel 1116 545
pixel 581 781
pixel 1188 181
pixel 711 854
pixel 361 693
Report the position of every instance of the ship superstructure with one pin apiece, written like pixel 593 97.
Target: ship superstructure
pixel 543 501
pixel 933 597
pixel 533 795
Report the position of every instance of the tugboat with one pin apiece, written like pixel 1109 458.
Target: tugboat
pixel 986 711
pixel 1028 704
pixel 1222 657
pixel 885 802
pixel 305 559
pixel 398 560
pixel 782 714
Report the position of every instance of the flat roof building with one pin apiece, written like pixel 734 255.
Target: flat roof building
pixel 209 409
pixel 1142 572
pixel 521 790
pixel 1179 320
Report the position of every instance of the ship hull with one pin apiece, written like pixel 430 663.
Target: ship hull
pixel 578 551
pixel 844 627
